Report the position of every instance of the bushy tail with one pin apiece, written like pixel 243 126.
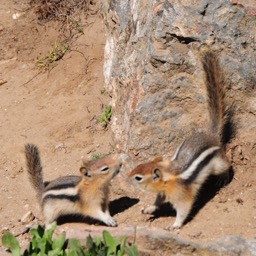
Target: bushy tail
pixel 220 108
pixel 34 169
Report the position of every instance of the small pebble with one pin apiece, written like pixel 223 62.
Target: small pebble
pixel 27 218
pixel 16 15
pixel 4 229
pixel 60 145
pixel 22 231
pixel 2 81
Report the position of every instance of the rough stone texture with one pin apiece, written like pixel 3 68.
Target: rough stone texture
pixel 152 66
pixel 155 241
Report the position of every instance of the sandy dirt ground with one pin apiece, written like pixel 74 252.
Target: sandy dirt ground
pixel 58 111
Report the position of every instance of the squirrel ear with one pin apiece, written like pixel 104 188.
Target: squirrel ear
pixel 85 172
pixel 157 159
pixel 156 174
pixel 165 163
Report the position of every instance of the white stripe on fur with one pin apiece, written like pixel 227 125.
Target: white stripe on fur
pixel 65 191
pixel 177 151
pixel 187 173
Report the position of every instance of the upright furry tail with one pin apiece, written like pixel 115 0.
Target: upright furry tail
pixel 34 169
pixel 220 108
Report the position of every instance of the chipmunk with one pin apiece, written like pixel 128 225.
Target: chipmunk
pixel 200 155
pixel 87 195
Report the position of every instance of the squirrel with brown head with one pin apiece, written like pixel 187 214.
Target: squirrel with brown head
pixel 87 194
pixel 200 155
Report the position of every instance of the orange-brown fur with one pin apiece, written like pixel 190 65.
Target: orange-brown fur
pixel 87 194
pixel 198 156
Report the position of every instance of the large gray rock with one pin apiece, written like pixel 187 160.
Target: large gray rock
pixel 153 69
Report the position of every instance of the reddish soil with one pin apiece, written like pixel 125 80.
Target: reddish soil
pixel 58 110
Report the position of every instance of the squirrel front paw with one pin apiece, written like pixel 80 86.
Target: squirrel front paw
pixel 149 210
pixel 111 222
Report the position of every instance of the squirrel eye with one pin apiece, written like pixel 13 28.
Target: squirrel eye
pixel 138 178
pixel 104 169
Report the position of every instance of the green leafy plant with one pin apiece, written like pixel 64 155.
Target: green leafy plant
pixel 97 156
pixel 102 91
pixel 56 53
pixel 105 117
pixel 43 243
pixel 10 241
pixel 109 246
pixel 77 25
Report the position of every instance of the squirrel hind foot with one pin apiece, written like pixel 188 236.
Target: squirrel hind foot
pixel 172 227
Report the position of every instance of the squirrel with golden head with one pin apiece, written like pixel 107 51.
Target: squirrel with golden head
pixel 87 195
pixel 199 156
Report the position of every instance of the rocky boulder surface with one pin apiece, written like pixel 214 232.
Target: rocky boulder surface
pixel 153 68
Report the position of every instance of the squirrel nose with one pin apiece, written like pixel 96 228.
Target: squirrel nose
pixel 123 157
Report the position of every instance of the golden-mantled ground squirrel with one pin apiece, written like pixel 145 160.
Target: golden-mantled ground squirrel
pixel 87 195
pixel 199 156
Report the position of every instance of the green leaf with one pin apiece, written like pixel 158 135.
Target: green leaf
pixel 98 241
pixel 132 250
pixel 122 246
pixel 59 242
pixel 9 240
pixel 89 242
pixel 75 248
pixel 37 231
pixel 73 253
pixel 49 232
pixel 110 242
pixel 105 117
pixel 55 252
pixel 73 244
pixel 41 240
pixel 41 244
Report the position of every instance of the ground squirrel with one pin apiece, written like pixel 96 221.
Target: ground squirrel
pixel 87 195
pixel 200 155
